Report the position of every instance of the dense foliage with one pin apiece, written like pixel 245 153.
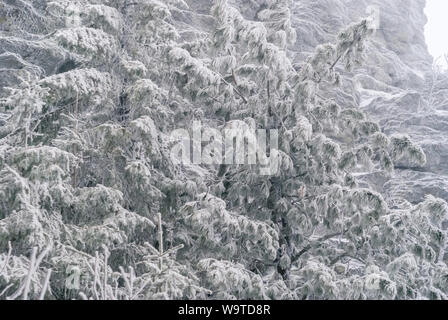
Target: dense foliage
pixel 93 205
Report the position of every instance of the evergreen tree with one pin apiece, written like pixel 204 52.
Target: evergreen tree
pixel 93 206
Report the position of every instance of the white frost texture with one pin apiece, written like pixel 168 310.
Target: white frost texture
pixel 93 205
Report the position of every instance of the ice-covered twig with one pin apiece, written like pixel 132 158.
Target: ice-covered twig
pixel 46 284
pixel 8 256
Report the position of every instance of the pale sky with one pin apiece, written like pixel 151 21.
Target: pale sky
pixel 436 31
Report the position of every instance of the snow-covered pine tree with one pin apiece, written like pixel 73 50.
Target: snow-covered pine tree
pixel 326 142
pixel 93 207
pixel 80 161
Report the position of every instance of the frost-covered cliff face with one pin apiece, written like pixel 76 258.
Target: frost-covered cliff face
pixel 91 90
pixel 395 85
pixel 409 98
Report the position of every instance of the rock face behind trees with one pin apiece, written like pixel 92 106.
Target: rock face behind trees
pixel 94 206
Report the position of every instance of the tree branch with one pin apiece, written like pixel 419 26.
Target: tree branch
pixel 315 244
